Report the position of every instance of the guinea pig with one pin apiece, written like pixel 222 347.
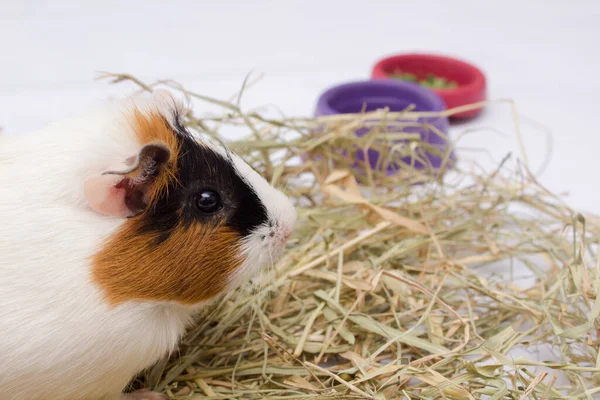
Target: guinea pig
pixel 115 226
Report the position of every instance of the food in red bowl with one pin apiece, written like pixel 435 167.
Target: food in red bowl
pixel 456 82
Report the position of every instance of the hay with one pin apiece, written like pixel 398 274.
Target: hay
pixel 391 290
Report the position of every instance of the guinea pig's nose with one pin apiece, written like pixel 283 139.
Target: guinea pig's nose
pixel 286 231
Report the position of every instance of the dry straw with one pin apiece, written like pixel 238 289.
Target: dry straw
pixel 388 289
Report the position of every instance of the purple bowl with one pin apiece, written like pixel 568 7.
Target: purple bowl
pixel 372 95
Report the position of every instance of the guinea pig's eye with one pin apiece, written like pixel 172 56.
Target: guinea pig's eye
pixel 208 201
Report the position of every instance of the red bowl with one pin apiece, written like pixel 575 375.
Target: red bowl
pixel 471 81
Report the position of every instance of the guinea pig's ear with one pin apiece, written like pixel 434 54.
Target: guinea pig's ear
pixel 122 190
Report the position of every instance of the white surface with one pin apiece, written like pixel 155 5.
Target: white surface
pixel 542 54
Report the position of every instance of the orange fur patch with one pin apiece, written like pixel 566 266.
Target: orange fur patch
pixel 192 265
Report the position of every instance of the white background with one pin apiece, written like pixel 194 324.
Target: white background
pixel 542 54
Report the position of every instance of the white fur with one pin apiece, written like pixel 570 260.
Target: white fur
pixel 58 340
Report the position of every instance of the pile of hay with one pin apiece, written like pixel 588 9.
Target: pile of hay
pixel 391 290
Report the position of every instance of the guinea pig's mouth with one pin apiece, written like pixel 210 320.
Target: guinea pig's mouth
pixel 262 249
pixel 276 245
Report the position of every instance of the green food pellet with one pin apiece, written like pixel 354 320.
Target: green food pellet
pixel 439 82
pixel 405 76
pixel 431 81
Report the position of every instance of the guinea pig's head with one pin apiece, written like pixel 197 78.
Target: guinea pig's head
pixel 197 220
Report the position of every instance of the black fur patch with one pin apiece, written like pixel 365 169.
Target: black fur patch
pixel 199 167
